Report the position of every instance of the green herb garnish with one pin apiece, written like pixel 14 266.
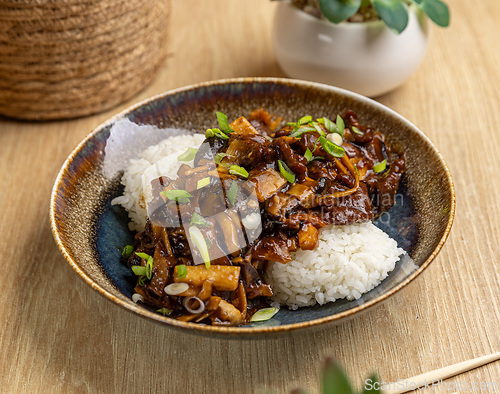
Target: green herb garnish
pixel 308 155
pixel 301 130
pixel 139 270
pixel 356 130
pixel 179 195
pixel 223 123
pixel 264 314
pixel 287 173
pixel 237 170
pixel 198 240
pixel 164 311
pixel 142 280
pixel 127 251
pixel 188 155
pixel 331 148
pixel 219 156
pixel 149 268
pixel 143 255
pixel 380 167
pixel 181 271
pixel 198 220
pixel 318 128
pixel 203 182
pixel 215 133
pixel 232 192
pixel 332 127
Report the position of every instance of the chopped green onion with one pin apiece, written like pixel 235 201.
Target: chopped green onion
pixel 149 268
pixel 356 130
pixel 164 311
pixel 179 195
pixel 264 314
pixel 198 240
pixel 188 155
pixel 139 270
pixel 232 192
pixel 380 167
pixel 291 123
pixel 318 129
pixel 335 138
pixel 219 156
pixel 181 271
pixel 198 220
pixel 143 255
pixel 308 155
pixel 209 133
pixel 340 125
pixel 142 280
pixel 331 148
pixel 223 123
pixel 305 120
pixel 203 182
pixel 237 170
pixel 300 131
pixel 287 173
pixel 127 251
pixel 215 133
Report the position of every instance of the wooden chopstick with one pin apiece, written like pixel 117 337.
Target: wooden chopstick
pixel 443 373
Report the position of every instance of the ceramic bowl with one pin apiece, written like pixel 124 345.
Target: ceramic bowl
pixel 367 58
pixel 91 232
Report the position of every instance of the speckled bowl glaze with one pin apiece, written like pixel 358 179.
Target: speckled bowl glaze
pixel 90 232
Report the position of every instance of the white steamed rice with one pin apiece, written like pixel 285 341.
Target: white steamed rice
pixel 349 261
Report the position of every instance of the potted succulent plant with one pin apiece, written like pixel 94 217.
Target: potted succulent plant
pixel 368 46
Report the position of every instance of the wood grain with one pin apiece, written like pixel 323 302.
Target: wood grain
pixel 59 335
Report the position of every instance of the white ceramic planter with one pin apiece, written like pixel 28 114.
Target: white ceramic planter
pixel 367 58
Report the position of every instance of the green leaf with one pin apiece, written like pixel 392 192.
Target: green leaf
pixel 198 220
pixel 393 13
pixel 331 148
pixel 356 130
pixel 237 170
pixel 380 167
pixel 232 192
pixel 319 129
pixel 223 123
pixel 203 182
pixel 339 10
pixel 143 255
pixel 127 251
pixel 198 240
pixel 188 155
pixel 178 195
pixel 149 268
pixel 373 380
pixel 138 270
pixel 264 314
pixel 287 173
pixel 308 155
pixel 181 271
pixel 305 119
pixel 437 11
pixel 339 122
pixel 301 130
pixel 334 379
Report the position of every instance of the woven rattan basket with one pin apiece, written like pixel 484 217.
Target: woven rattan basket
pixel 69 58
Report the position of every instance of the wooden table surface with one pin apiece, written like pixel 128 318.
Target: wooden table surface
pixel 59 335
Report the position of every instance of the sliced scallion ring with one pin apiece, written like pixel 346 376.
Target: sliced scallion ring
pixel 139 270
pixel 287 173
pixel 237 170
pixel 143 255
pixel 308 155
pixel 203 182
pixel 339 122
pixel 380 167
pixel 198 240
pixel 127 251
pixel 149 268
pixel 232 192
pixel 223 123
pixel 356 130
pixel 181 271
pixel 188 155
pixel 264 314
pixel 181 196
pixel 198 220
pixel 174 289
pixel 187 304
pixel 331 148
pixel 219 156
